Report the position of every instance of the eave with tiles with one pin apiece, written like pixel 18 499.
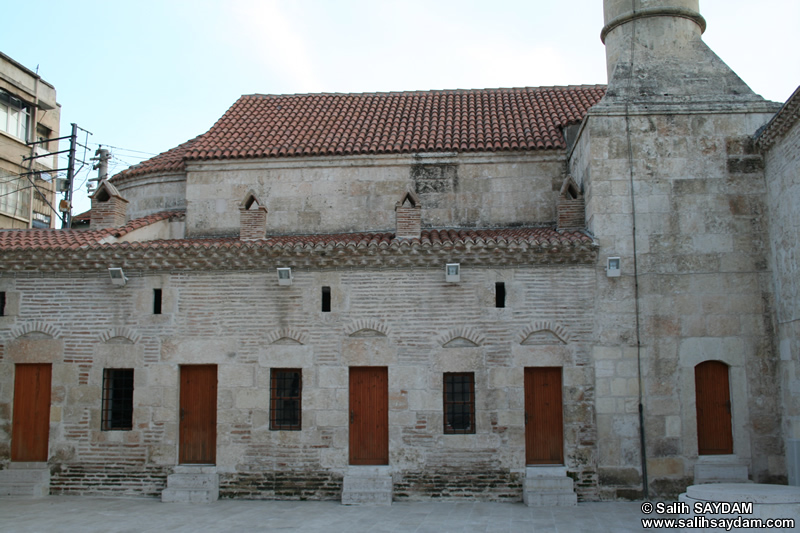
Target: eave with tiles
pixel 493 248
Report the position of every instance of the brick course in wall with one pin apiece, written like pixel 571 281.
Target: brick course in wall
pixel 475 484
pixel 107 479
pixel 283 485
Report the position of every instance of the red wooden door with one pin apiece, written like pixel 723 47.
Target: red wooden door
pixel 30 427
pixel 198 415
pixel 713 398
pixel 369 416
pixel 544 426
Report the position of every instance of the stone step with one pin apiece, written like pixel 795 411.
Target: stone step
pixel 363 488
pixel 25 479
pixel 192 485
pixel 195 469
pixel 544 499
pixel 38 490
pixel 25 476
pixel 720 472
pixel 548 486
pixel 193 481
pixel 169 495
pixel 28 466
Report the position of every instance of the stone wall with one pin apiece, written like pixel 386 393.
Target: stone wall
pixel 153 193
pixel 698 265
pixel 412 322
pixel 359 193
pixel 783 191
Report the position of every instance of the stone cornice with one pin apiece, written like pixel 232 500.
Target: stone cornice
pixel 648 12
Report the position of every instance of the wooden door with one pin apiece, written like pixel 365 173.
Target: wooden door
pixel 30 426
pixel 369 416
pixel 544 426
pixel 198 415
pixel 713 398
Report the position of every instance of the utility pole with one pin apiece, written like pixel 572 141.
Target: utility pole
pixel 102 156
pixel 65 206
pixel 73 142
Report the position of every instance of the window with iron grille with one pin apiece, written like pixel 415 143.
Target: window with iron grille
pixel 459 402
pixel 284 409
pixel 117 399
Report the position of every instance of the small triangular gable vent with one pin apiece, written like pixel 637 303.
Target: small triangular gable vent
pixel 251 202
pixel 409 199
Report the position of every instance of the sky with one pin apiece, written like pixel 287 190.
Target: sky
pixel 144 76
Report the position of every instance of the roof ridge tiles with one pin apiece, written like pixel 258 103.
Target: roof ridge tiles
pixel 460 91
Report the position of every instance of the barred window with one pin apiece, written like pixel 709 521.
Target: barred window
pixel 117 399
pixel 459 402
pixel 284 409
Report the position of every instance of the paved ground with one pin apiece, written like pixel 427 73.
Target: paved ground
pixel 57 514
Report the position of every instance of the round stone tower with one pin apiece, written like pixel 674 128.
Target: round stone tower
pixel 654 50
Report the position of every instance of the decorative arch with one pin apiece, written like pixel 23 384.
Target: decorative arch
pixel 544 332
pixel 122 332
pixel 249 199
pixel 36 326
pixel 287 336
pixel 464 337
pixel 570 189
pixel 367 328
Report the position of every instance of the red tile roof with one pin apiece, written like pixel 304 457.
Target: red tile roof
pixel 73 238
pixel 531 236
pixel 169 161
pixel 39 251
pixel 783 121
pixel 65 239
pixel 476 120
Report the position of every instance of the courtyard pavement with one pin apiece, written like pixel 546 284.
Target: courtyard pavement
pixel 57 514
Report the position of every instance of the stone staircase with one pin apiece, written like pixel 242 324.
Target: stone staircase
pixel 548 486
pixel 367 485
pixel 25 479
pixel 192 484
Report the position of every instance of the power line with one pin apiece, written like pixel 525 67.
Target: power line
pixel 127 150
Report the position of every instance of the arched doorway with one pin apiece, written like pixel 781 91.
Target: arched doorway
pixel 713 400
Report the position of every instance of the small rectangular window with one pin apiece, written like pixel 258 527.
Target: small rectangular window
pixel 117 399
pixel 156 301
pixel 284 409
pixel 326 299
pixel 2 304
pixel 459 402
pixel 499 294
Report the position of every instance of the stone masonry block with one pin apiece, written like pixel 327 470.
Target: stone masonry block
pixel 235 376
